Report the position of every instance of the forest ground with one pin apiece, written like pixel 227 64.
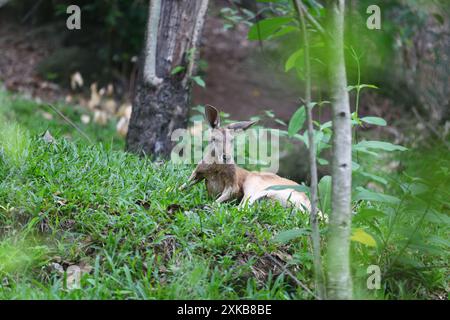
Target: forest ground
pixel 81 220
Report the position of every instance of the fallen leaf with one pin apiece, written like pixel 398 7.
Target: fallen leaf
pixel 100 117
pixel 74 274
pixel 61 202
pixel 69 99
pixel 95 99
pixel 85 119
pixel 57 267
pixel 124 110
pixel 47 116
pixel 49 85
pixel 73 277
pixel 122 126
pixel 85 268
pixel 110 90
pixel 76 81
pixel 47 137
pixel 172 208
pixel 109 105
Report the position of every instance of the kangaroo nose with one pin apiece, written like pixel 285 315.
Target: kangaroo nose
pixel 224 157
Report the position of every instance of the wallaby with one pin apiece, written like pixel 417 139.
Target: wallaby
pixel 227 181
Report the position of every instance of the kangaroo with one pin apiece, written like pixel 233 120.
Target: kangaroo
pixel 227 181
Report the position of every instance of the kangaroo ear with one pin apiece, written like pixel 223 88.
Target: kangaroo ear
pixel 242 125
pixel 212 116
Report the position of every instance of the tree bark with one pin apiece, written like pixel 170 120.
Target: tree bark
pixel 161 100
pixel 315 235
pixel 339 284
pixel 3 2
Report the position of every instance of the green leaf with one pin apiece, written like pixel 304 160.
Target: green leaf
pixel 297 121
pixel 377 121
pixel 321 140
pixel 326 125
pixel 439 218
pixel 439 18
pixel 428 249
pixel 379 145
pixel 288 235
pixel 199 81
pixel 373 177
pixel 417 188
pixel 318 136
pixel 410 262
pixel 359 235
pixel 367 214
pixel 291 62
pixel 279 121
pixel 177 69
pixel 227 26
pixel 302 138
pixel 439 241
pixel 269 113
pixel 299 188
pixel 355 166
pixel 283 31
pixel 368 195
pixel 324 188
pixel 267 27
pixel 366 151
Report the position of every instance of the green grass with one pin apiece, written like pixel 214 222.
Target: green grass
pixel 29 115
pixel 75 203
pixel 72 203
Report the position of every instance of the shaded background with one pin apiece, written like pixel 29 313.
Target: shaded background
pixel 407 59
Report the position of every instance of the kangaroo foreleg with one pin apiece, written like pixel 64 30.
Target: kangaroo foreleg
pixel 193 179
pixel 226 195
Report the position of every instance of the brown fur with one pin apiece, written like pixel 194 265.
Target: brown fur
pixel 227 181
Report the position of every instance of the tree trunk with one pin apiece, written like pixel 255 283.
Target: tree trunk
pixel 339 284
pixel 315 235
pixel 3 2
pixel 161 101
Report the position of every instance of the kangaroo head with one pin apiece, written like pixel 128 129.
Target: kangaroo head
pixel 221 139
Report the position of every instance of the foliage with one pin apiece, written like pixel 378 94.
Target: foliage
pixel 393 226
pixel 410 232
pixel 233 17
